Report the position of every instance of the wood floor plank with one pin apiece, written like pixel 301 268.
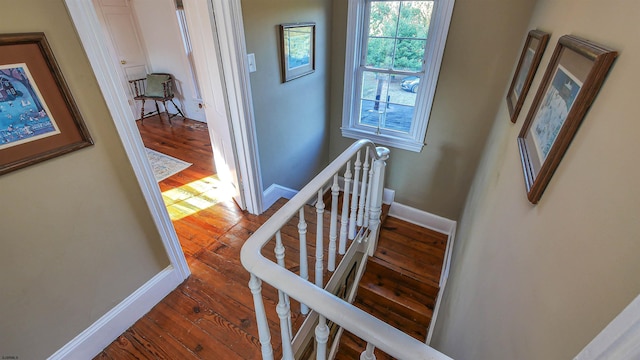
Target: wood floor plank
pixel 160 342
pixel 189 334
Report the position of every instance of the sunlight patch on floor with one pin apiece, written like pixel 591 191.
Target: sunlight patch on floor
pixel 195 196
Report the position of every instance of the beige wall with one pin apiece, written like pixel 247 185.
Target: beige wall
pixel 76 235
pixel 481 47
pixel 539 282
pixel 291 118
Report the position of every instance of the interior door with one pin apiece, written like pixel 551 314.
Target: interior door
pixel 208 68
pixel 121 26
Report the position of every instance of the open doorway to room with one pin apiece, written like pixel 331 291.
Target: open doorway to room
pixel 152 36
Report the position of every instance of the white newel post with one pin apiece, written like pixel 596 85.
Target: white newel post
pixel 354 198
pixel 255 285
pixel 377 189
pixel 363 189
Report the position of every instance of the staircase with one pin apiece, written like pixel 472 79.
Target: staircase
pixel 293 250
pixel 400 283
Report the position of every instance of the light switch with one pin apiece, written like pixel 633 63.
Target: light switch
pixel 251 59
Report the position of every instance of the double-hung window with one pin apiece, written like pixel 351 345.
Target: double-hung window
pixel 394 52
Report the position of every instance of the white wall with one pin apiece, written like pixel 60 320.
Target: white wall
pixel 165 50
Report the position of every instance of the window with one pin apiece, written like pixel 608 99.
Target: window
pixel 390 77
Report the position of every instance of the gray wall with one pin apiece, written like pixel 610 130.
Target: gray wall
pixel 483 43
pixel 539 282
pixel 76 235
pixel 291 118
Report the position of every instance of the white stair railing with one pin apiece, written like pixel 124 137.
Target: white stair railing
pixel 359 221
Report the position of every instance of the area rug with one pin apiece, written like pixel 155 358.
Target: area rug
pixel 164 165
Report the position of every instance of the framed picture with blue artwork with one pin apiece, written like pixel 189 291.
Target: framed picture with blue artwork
pixel 38 117
pixel 573 78
pixel 297 50
pixel 528 63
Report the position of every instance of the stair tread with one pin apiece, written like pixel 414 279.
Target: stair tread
pixel 399 288
pixel 402 269
pixel 382 306
pixel 415 329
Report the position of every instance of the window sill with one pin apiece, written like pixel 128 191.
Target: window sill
pixel 384 140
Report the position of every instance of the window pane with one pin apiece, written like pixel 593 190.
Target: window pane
pixel 380 53
pixel 415 17
pixel 387 101
pixel 384 18
pixel 409 55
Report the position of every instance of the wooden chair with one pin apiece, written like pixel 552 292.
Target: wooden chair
pixel 156 87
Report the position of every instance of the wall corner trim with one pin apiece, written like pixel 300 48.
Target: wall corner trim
pixel 275 192
pixel 116 321
pixel 422 218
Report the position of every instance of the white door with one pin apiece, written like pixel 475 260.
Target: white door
pixel 205 54
pixel 122 29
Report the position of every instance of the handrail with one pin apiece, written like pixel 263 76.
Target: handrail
pixel 384 336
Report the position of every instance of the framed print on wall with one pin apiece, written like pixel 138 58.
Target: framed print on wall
pixel 571 82
pixel 38 117
pixel 530 58
pixel 297 50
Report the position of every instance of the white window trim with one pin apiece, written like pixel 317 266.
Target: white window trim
pixel 414 141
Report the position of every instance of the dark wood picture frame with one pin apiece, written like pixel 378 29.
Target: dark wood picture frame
pixel 528 64
pixel 574 76
pixel 38 118
pixel 297 50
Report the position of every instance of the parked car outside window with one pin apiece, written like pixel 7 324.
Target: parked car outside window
pixel 410 83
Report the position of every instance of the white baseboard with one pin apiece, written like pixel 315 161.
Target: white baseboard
pixel 275 192
pixel 105 330
pixel 388 196
pixel 422 218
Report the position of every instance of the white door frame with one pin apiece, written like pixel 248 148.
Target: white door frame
pixel 226 16
pixel 109 76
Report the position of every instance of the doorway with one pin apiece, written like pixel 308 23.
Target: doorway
pixel 231 47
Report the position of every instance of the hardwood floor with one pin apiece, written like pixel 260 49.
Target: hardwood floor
pixel 210 315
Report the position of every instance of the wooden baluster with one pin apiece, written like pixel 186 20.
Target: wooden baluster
pixel 255 285
pixel 279 251
pixel 304 270
pixel 377 187
pixel 333 227
pixel 285 330
pixel 319 239
pixel 354 198
pixel 367 205
pixel 344 219
pixel 363 190
pixel 322 337
pixel 368 354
